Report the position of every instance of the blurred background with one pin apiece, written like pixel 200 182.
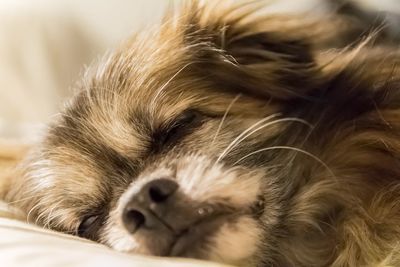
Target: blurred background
pixel 45 45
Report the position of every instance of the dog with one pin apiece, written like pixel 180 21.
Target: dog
pixel 228 136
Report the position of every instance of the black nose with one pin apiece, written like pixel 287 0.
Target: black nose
pixel 140 210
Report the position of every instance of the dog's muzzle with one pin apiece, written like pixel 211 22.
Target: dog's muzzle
pixel 160 208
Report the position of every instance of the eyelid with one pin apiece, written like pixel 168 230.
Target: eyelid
pixel 174 130
pixel 180 119
pixel 186 116
pixel 86 224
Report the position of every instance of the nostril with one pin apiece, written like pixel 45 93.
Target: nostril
pixel 157 195
pixel 133 219
pixel 161 189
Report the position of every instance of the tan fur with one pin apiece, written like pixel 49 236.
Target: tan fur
pixel 308 133
pixel 11 153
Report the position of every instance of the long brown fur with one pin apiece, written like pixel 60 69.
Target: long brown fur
pixel 326 168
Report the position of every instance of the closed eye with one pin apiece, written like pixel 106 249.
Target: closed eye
pixel 86 226
pixel 172 133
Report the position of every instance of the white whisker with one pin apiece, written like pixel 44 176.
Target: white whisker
pixel 224 117
pixel 246 135
pixel 292 149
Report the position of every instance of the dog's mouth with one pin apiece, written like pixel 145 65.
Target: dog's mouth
pixel 193 240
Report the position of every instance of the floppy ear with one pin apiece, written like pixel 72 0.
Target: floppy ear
pixel 261 56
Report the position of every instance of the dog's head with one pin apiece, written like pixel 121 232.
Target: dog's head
pixel 178 143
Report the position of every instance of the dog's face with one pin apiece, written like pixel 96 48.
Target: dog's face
pixel 180 143
pixel 163 168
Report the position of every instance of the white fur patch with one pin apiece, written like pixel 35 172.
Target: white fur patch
pixel 118 238
pixel 43 174
pixel 235 242
pixel 204 181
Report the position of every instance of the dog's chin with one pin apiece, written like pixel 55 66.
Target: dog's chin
pixel 196 240
pixel 226 239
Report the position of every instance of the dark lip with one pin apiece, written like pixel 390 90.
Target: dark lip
pixel 195 235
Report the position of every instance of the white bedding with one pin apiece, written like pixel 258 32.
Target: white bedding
pixel 26 245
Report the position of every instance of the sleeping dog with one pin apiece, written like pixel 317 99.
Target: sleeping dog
pixel 230 136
